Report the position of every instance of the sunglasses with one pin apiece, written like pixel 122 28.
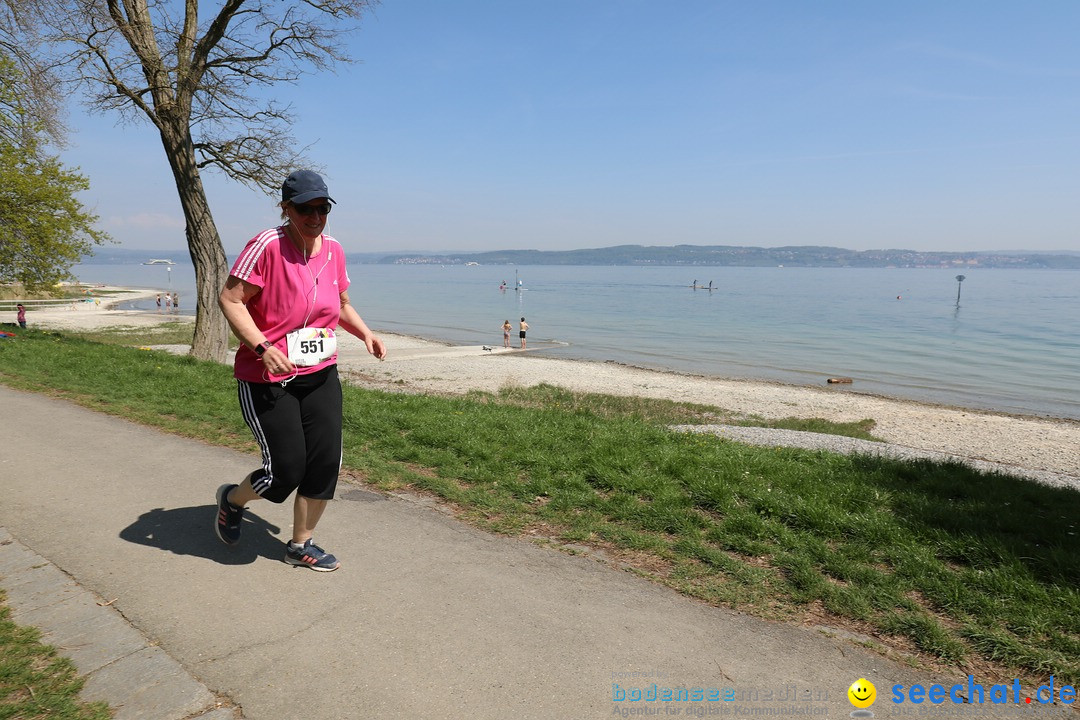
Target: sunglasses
pixel 306 210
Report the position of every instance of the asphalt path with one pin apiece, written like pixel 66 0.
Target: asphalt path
pixel 109 542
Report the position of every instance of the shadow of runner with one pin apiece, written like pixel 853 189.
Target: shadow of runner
pixel 190 531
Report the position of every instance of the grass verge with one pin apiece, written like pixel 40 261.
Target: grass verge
pixel 174 332
pixel 35 682
pixel 968 568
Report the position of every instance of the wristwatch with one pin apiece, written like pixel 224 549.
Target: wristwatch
pixel 263 347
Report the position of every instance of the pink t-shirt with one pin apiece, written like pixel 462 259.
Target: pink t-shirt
pixel 295 293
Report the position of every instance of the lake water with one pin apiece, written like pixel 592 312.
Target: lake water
pixel 1012 344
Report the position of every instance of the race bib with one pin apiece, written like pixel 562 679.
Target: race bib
pixel 311 345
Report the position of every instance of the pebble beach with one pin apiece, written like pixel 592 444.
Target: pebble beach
pixel 1045 449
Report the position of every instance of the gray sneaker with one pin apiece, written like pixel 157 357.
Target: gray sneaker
pixel 229 517
pixel 312 556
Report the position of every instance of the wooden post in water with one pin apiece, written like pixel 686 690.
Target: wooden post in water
pixel 959 283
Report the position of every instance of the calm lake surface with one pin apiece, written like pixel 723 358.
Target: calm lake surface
pixel 1012 344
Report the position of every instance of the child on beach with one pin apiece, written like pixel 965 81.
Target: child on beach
pixel 506 333
pixel 21 316
pixel 521 333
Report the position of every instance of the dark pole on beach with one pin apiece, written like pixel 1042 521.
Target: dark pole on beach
pixel 959 284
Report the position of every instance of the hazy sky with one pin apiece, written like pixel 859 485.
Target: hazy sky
pixel 495 124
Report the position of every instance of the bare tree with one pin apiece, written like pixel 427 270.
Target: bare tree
pixel 40 98
pixel 195 80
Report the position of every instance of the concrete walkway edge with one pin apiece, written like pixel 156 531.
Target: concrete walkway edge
pixel 120 666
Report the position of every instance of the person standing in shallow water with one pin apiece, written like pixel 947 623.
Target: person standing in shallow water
pixel 524 326
pixel 286 295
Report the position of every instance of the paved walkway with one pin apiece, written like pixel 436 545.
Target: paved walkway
pixel 110 549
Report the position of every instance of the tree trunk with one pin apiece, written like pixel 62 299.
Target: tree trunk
pixel 211 339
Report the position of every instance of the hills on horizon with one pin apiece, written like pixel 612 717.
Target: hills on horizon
pixel 749 256
pixel 675 255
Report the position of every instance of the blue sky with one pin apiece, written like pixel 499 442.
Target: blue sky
pixel 494 124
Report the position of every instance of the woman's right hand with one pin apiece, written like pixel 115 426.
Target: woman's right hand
pixel 277 362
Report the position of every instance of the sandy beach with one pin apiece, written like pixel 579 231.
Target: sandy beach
pixel 413 363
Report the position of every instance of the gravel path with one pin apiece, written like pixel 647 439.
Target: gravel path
pixel 769 437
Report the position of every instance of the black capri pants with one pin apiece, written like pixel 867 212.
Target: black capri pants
pixel 298 429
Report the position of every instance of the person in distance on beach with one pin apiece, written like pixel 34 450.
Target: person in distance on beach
pixel 521 332
pixel 20 315
pixel 285 296
pixel 507 327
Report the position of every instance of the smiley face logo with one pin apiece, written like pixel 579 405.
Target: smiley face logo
pixel 862 693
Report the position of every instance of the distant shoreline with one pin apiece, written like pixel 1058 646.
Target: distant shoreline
pixel 691 256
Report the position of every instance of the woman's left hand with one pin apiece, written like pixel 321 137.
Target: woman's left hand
pixel 375 346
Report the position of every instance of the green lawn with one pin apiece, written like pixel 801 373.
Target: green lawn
pixel 963 566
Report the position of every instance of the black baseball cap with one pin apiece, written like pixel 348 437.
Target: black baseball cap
pixel 302 186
